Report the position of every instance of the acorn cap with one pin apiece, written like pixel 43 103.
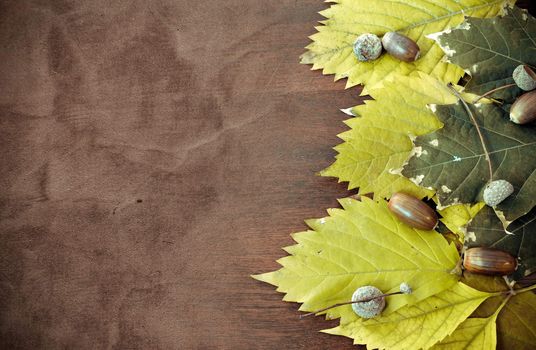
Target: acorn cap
pixel 524 77
pixel 367 47
pixel 497 191
pixel 368 309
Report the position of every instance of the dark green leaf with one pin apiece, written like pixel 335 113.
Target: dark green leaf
pixel 452 160
pixel 490 49
pixel 519 239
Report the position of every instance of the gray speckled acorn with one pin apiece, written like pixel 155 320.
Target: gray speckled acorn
pixel 368 309
pixel 497 191
pixel 367 47
pixel 524 77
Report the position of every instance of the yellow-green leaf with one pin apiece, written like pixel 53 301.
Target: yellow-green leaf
pixel 418 326
pixel 379 142
pixel 472 334
pixel 362 244
pixel 457 216
pixel 331 49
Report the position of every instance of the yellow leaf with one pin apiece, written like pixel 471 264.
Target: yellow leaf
pixel 331 49
pixel 457 216
pixel 379 142
pixel 472 334
pixel 364 244
pixel 419 326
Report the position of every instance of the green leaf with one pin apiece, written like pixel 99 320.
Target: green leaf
pixel 472 334
pixel 452 160
pixel 418 326
pixel 379 142
pixel 331 48
pixel 490 50
pixel 364 244
pixel 486 230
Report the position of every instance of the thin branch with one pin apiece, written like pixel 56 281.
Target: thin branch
pixel 349 302
pixel 477 129
pixel 492 91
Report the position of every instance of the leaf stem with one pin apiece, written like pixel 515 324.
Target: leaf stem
pixel 349 302
pixel 514 291
pixel 471 115
pixel 503 304
pixel 526 289
pixel 492 91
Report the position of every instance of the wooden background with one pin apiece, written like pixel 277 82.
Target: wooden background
pixel 155 153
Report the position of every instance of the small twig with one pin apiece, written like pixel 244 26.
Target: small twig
pixel 457 94
pixel 350 302
pixel 493 90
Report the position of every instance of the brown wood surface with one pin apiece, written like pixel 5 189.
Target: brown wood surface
pixel 155 153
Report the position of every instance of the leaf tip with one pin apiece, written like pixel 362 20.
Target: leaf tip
pixel 265 277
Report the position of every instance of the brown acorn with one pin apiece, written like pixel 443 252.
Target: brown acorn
pixel 400 46
pixel 489 261
pixel 523 110
pixel 412 211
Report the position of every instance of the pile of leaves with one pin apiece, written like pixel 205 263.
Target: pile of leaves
pixel 415 136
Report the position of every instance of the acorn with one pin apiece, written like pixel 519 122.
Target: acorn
pixel 412 211
pixel 497 191
pixel 371 308
pixel 367 47
pixel 400 46
pixel 489 261
pixel 524 77
pixel 523 110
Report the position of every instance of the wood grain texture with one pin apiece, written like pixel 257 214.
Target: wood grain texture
pixel 155 153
